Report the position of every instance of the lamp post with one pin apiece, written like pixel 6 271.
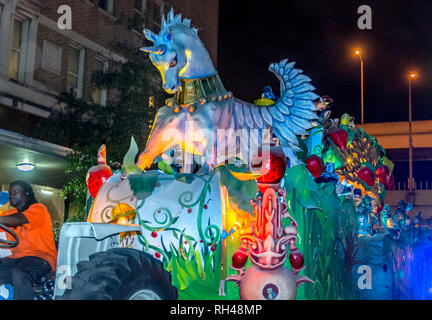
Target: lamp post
pixel 411 77
pixel 358 53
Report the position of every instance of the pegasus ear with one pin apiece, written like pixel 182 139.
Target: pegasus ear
pixel 150 35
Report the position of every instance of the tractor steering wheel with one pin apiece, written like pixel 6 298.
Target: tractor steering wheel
pixel 7 244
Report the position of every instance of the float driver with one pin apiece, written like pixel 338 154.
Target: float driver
pixel 36 253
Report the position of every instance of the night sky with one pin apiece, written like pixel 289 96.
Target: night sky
pixel 321 36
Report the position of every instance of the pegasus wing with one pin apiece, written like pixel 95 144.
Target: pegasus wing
pixel 295 105
pixel 289 117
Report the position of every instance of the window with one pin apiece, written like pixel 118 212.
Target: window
pixel 107 5
pixel 99 96
pixel 75 71
pixel 51 57
pixel 141 6
pixel 158 11
pixel 18 51
pixel 138 22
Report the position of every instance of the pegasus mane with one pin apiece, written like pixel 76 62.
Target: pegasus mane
pixel 172 20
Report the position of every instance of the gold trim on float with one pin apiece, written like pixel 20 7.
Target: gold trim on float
pixel 194 90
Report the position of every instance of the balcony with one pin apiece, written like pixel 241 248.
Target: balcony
pixel 421 197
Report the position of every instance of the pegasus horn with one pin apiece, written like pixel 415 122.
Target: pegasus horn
pixel 156 50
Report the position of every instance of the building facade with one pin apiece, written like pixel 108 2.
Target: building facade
pixel 394 137
pixel 40 59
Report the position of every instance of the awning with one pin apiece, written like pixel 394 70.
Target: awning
pixel 49 158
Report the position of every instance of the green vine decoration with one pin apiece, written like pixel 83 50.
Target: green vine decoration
pixel 240 191
pixel 143 241
pixel 186 197
pixel 168 219
pixel 206 236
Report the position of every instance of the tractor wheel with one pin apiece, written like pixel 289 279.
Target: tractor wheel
pixel 121 274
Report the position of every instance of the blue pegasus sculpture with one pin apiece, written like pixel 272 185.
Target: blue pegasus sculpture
pixel 204 118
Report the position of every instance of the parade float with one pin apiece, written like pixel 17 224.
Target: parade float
pixel 266 200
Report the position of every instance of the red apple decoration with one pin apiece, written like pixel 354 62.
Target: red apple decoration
pixel 386 177
pixel 97 175
pixel 239 258
pixel 296 259
pixel 315 165
pixel 383 173
pixel 367 175
pixel 339 137
pixel 271 167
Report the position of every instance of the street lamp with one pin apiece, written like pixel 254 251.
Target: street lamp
pixel 358 53
pixel 411 76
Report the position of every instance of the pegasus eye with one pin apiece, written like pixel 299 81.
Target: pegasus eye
pixel 173 62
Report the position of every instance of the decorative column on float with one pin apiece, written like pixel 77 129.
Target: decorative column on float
pixel 268 245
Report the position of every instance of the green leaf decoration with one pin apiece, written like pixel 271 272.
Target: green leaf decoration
pixel 129 159
pixel 308 199
pixel 175 234
pixel 165 167
pixel 240 173
pixel 199 263
pixel 203 290
pixel 179 278
pixel 240 192
pixel 186 265
pixel 306 190
pixel 350 133
pixel 304 149
pixel 164 248
pixel 184 177
pixel 318 290
pixel 143 184
pixel 299 176
pixel 332 156
pixel 174 220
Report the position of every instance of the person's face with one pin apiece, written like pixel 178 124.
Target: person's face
pixel 357 200
pixel 17 197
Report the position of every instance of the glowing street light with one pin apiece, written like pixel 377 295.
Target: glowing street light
pixel 358 53
pixel 411 76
